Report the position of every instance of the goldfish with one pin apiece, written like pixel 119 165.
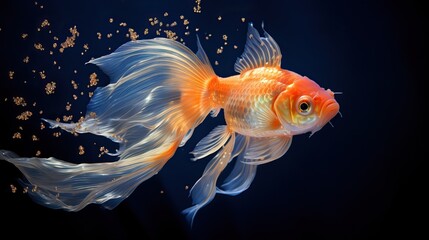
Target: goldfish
pixel 159 92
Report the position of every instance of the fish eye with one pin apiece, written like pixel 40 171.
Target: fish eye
pixel 304 105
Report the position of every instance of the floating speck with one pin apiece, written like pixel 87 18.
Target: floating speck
pixel 19 101
pixel 50 88
pixel 197 7
pixel 13 188
pixel 24 115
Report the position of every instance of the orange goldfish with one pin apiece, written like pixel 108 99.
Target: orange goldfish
pixel 160 91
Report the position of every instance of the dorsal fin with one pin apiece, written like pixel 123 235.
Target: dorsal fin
pixel 258 52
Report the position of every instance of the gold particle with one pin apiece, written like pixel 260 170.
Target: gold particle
pixel 170 34
pixel 243 19
pixel 235 46
pixel 42 126
pixel 219 50
pixel 70 41
pixel 24 115
pixel 197 7
pixel 182 17
pixel 93 80
pixel 103 151
pixel 99 35
pixel 34 138
pixel 133 35
pixel 152 22
pixel 109 35
pixel 50 88
pixel 85 46
pixel 25 190
pixel 45 23
pixel 216 63
pixel 74 84
pixel 39 46
pixel 17 135
pixel 19 101
pixel 122 24
pixel 24 35
pixel 185 22
pixel 38 153
pixel 13 188
pixel 42 74
pixel 67 118
pixel 110 20
pixel 173 24
pixel 26 59
pixel 219 18
pixel 225 37
pixel 81 150
pixel 146 31
pixel 165 14
pixel 56 134
pixel 68 106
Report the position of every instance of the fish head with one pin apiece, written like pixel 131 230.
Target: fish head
pixel 304 106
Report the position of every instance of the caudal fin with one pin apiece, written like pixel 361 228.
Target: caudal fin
pixel 154 101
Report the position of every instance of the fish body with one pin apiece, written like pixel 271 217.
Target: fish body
pixel 245 99
pixel 160 91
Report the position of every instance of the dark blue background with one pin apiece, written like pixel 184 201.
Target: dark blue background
pixel 358 180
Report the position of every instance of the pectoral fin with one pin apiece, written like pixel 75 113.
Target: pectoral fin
pixel 262 150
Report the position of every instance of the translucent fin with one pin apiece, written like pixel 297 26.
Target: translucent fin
pixel 215 112
pixel 258 52
pixel 204 189
pixel 69 127
pixel 62 185
pixel 201 54
pixel 187 137
pixel 211 143
pixel 239 179
pixel 156 97
pixel 261 150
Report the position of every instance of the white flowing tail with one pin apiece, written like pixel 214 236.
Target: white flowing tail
pixel 156 97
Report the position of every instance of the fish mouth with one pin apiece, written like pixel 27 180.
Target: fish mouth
pixel 329 109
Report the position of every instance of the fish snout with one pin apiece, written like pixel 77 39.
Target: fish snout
pixel 329 109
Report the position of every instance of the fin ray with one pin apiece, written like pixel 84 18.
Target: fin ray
pixel 204 189
pixel 261 150
pixel 258 52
